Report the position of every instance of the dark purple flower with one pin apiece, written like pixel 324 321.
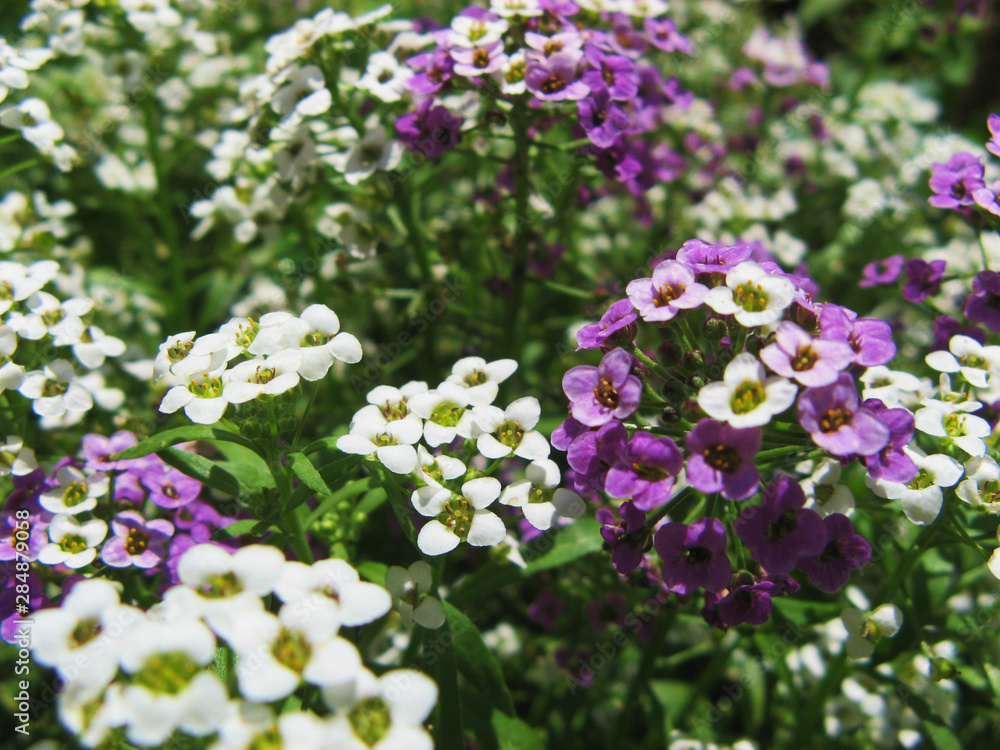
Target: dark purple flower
pixel 169 488
pixel 892 463
pixel 614 73
pixel 922 279
pixel 646 472
pixel 136 541
pixel 983 305
pixel 564 435
pixel 13 626
pixel 703 257
pixel 694 556
pixel 628 538
pixel 946 326
pixel 621 316
pixel 722 459
pixel 780 530
pixel 434 70
pixel 97 450
pixel 881 272
pixel 546 608
pixel 663 34
pixel 608 391
pixel 603 120
pixel 954 182
pixel 554 79
pixel 657 163
pixel 834 418
pixel 431 130
pixel 795 354
pixel 747 603
pixel 591 455
pixel 609 609
pixel 831 569
pixel 993 145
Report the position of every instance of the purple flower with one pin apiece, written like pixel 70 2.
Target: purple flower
pixel 988 198
pixel 870 338
pixel 608 391
pixel 881 272
pixel 795 354
pixel 546 608
pixel 722 459
pixel 593 453
pixel 625 39
pixel 741 78
pixel 136 541
pixel 169 488
pixel 614 73
pixel 834 418
pixel 747 603
pixel 12 626
pixel 198 517
pixel 431 130
pixel 663 34
pixel 983 305
pixel 97 450
pixel 993 145
pixel 435 69
pixel 603 120
pixel 671 288
pixel 554 79
pixel 628 539
pixel 33 526
pixel 892 463
pixel 646 472
pixel 564 435
pixel 476 61
pixel 619 317
pixel 922 279
pixel 779 530
pixel 946 326
pixel 954 182
pixel 702 257
pixel 831 569
pixel 694 556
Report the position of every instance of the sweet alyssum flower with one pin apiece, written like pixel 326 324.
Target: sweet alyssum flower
pixel 618 320
pixel 752 295
pixel 968 356
pixel 56 391
pixel 539 496
pixel 834 418
pixel 457 518
pixel 391 441
pixel 511 431
pixel 831 569
pixel 694 556
pixel 922 497
pixel 445 411
pixel 74 491
pixel 983 305
pixel 865 630
pixel 948 420
pixel 554 79
pixel 627 538
pixel 646 472
pixel 481 378
pixel 202 398
pixel 797 355
pixel 411 595
pixel 722 459
pixel 954 182
pixel 746 396
pixel 671 288
pixel 608 391
pixel 73 544
pixel 981 486
pixel 136 541
pixel 332 584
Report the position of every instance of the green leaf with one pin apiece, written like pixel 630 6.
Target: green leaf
pixel 514 734
pixel 476 662
pixel 330 473
pixel 558 547
pixel 249 466
pixel 247 526
pixel 158 442
pixel 993 675
pixel 373 571
pixel 305 471
pixel 204 471
pixel 348 491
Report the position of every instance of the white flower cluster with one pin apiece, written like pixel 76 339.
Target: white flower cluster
pixel 279 350
pixel 456 501
pixel 151 673
pixel 34 322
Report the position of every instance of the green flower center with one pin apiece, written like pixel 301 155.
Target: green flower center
pixel 74 544
pixel 540 495
pixel 169 672
pixel 871 631
pixel 953 424
pixel 179 351
pixel 748 396
pixel 516 72
pixel 751 297
pixel 292 650
pixel 86 631
pixel 989 492
pixel 457 516
pixel 221 585
pixel 53 388
pixel 922 480
pixel 510 434
pixel 477 31
pixel 370 719
pixel 245 334
pixel 972 360
pixel 6 291
pixel 318 338
pixel 447 414
pixel 207 388
pixel 74 494
pixel 384 439
pixel 434 472
pixel 394 411
pixel 267 740
pixel 263 376
pixel 476 378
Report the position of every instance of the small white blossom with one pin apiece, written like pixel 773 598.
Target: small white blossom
pixel 752 295
pixel 968 356
pixel 263 376
pixel 411 594
pixel 56 391
pixel 981 486
pixel 481 378
pixel 390 440
pixel 383 713
pixel 73 544
pixel 446 413
pixel 384 77
pixel 332 583
pixel 922 497
pixel 511 431
pixel 865 630
pixel 75 492
pixel 539 496
pixel 458 518
pixel 746 396
pixel 947 420
pixel 15 458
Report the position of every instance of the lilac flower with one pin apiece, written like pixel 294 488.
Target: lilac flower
pixel 892 463
pixel 593 453
pixel 881 272
pixel 993 145
pixel 834 418
pixel 564 435
pixel 870 338
pixel 603 120
pixel 628 538
pixel 620 317
pixel 747 603
pixel 646 472
pixel 546 608
pixel 169 488
pixel 988 198
pixel 657 163
pixel 97 450
pixel 30 546
pixel 954 181
pixel 722 459
pixel 663 34
pixel 608 391
pixel 983 305
pixel 671 288
pixel 614 73
pixel 741 78
pixel 554 79
pixel 796 354
pixel 431 130
pixel 435 69
pixel 922 279
pixel 136 541
pixel 625 39
pixel 780 529
pixel 479 60
pixel 694 556
pixel 563 41
pixel 703 257
pixel 831 569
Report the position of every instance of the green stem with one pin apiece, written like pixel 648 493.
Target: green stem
pixel 297 536
pixel 913 553
pixel 302 420
pixel 786 450
pixel 641 679
pixel 18 168
pixel 520 172
pixel 652 364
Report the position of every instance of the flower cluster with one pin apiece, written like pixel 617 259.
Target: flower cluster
pixel 438 438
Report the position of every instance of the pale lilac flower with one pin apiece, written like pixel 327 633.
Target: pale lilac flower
pixel 811 361
pixel 136 541
pixel 608 391
pixel 836 421
pixel 671 288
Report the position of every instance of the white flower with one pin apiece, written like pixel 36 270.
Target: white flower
pixel 823 488
pixel 948 420
pixel 15 458
pixel 511 75
pixel 968 356
pixel 994 563
pixel 981 486
pixel 202 398
pixel 17 283
pixel 75 492
pixel 372 151
pixel 481 378
pixel 56 390
pixel 922 497
pixel 752 295
pixel 49 315
pixel 168 690
pixel 746 397
pixel 384 77
pixel 216 572
pixel 14 64
pixel 539 496
pixel 892 387
pixel 510 432
pixel 458 518
pixel 436 470
pixel 316 333
pixel 32 117
pixel 410 589
pixel 94 345
pixel 302 92
pixel 394 402
pixel 73 544
pixel 446 412
pixel 247 724
pixel 515 8
pixel 332 583
pixel 467 31
pixel 382 713
pixel 262 376
pixel 867 630
pixel 151 15
pixel 390 441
